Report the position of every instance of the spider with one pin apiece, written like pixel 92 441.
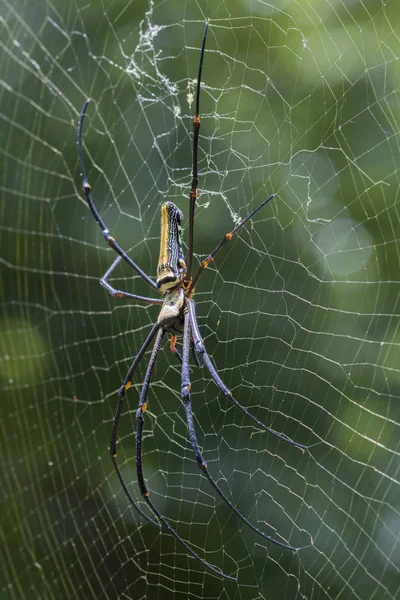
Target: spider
pixel 177 317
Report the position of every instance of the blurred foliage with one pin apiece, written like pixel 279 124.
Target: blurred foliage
pixel 299 313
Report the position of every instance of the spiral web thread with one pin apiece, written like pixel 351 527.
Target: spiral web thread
pixel 300 313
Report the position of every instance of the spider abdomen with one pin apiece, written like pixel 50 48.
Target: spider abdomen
pixel 171 268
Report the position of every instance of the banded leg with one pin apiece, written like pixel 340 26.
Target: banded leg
pixel 114 432
pixel 200 349
pixel 173 348
pixel 119 293
pixel 175 352
pixel 227 237
pixel 195 180
pixel 88 195
pixel 187 402
pixel 139 434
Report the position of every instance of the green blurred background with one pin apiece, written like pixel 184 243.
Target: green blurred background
pixel 300 313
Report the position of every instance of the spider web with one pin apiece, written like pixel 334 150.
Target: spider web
pixel 299 313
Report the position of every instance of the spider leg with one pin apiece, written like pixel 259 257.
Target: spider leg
pixel 186 546
pixel 227 237
pixel 139 433
pixel 121 397
pixel 195 180
pixel 194 354
pixel 175 351
pixel 173 348
pixel 88 195
pixel 187 402
pixel 200 349
pixel 119 293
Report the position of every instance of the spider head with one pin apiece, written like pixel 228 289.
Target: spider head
pixel 171 268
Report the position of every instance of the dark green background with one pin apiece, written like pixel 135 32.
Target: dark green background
pixel 300 313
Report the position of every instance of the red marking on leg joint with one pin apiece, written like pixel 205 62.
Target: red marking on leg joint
pixel 172 344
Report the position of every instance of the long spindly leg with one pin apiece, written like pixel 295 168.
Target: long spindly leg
pixel 173 348
pixel 193 438
pixel 200 349
pixel 195 179
pixel 88 195
pixel 177 354
pixel 139 433
pixel 119 293
pixel 121 397
pixel 227 237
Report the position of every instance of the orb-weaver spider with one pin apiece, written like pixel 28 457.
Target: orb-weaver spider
pixel 177 317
